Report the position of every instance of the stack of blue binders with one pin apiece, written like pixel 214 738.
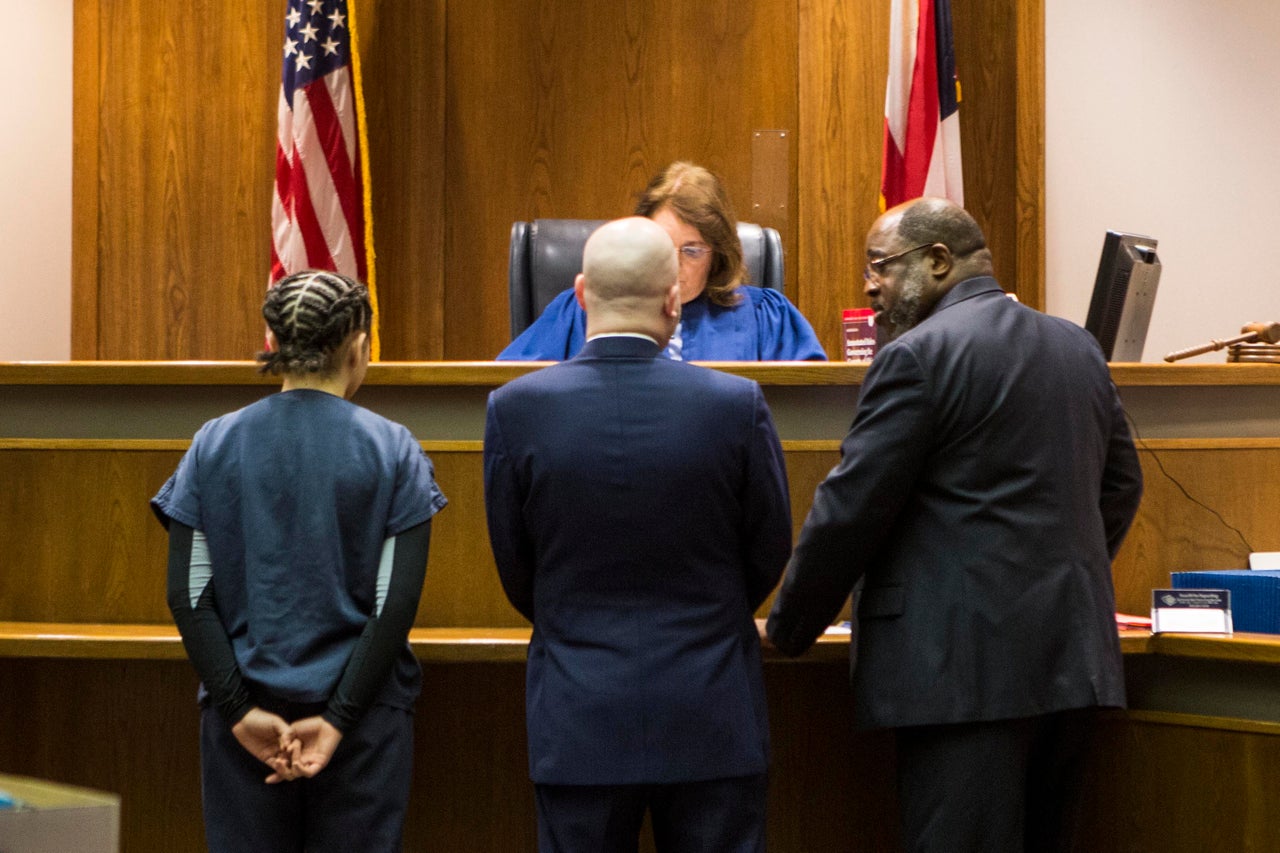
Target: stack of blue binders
pixel 1255 595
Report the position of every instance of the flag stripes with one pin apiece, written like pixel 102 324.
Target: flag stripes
pixel 318 207
pixel 921 113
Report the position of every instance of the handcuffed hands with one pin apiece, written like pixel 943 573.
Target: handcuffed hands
pixel 292 751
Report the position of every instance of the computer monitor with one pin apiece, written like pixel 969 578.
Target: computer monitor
pixel 1123 295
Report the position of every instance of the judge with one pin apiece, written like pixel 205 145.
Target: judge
pixel 722 319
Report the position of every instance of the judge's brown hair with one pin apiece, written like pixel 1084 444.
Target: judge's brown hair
pixel 696 196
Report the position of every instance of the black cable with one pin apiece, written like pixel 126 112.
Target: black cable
pixel 1142 444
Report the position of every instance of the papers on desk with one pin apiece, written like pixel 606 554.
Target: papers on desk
pixel 1191 611
pixel 1129 621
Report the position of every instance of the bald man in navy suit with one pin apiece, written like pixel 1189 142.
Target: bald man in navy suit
pixel 638 513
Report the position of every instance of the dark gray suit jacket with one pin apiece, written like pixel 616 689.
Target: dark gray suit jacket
pixel 984 487
pixel 638 513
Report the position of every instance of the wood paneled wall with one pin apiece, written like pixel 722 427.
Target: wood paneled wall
pixel 1201 509
pixel 481 114
pixel 74 519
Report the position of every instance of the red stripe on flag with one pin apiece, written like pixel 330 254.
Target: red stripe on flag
pixel 304 217
pixel 283 179
pixel 328 128
pixel 922 111
pixel 285 196
pixel 892 170
pixel 277 267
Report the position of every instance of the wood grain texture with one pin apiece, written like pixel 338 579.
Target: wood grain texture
pixel 86 209
pixel 462 587
pixel 402 46
pixel 186 159
pixel 1180 789
pixel 137 641
pixel 565 109
pixel 470 789
pixel 1029 208
pixel 493 374
pixel 1152 785
pixel 108 565
pixel 830 788
pixel 77 524
pixel 1173 532
pixel 481 114
pixel 843 62
pixel 77 517
pixel 987 53
pixel 127 727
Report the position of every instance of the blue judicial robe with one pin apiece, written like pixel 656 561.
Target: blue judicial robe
pixel 763 326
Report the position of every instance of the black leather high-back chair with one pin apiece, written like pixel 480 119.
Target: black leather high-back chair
pixel 546 255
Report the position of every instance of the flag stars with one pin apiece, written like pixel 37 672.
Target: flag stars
pixel 293 17
pixel 338 19
pixel 308 33
pixel 302 61
pixel 290 47
pixel 316 6
pixel 330 46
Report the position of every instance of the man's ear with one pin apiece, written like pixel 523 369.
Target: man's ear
pixel 940 260
pixel 272 344
pixel 579 287
pixel 671 305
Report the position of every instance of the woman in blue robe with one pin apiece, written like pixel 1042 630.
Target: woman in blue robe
pixel 722 318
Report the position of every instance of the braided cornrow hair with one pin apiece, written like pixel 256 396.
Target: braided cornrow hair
pixel 311 313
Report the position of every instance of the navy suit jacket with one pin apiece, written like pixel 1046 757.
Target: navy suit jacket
pixel 638 512
pixel 983 489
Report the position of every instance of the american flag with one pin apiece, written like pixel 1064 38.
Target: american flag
pixel 318 210
pixel 921 106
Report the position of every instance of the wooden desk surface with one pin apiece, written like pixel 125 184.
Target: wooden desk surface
pixel 1239 647
pixel 497 372
pixel 461 645
pixel 446 400
pixel 96 641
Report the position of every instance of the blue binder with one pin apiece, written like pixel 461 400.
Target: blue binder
pixel 1255 595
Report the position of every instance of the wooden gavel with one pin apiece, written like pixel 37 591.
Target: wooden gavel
pixel 1266 332
pixel 1212 346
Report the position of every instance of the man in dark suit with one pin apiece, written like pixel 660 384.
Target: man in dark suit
pixel 983 490
pixel 638 513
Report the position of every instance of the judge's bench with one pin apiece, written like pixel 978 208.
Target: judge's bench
pixel 97 690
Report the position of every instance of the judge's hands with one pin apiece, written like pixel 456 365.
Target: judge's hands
pixel 1266 332
pixel 296 751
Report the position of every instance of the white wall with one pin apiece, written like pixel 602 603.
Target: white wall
pixel 1163 118
pixel 35 180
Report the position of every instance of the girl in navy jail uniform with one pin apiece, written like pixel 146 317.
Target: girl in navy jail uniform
pixel 298 534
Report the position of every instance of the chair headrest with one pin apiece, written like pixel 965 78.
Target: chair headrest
pixel 546 256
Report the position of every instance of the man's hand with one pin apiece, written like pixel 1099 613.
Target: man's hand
pixel 317 740
pixel 761 629
pixel 268 738
pixel 1266 332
